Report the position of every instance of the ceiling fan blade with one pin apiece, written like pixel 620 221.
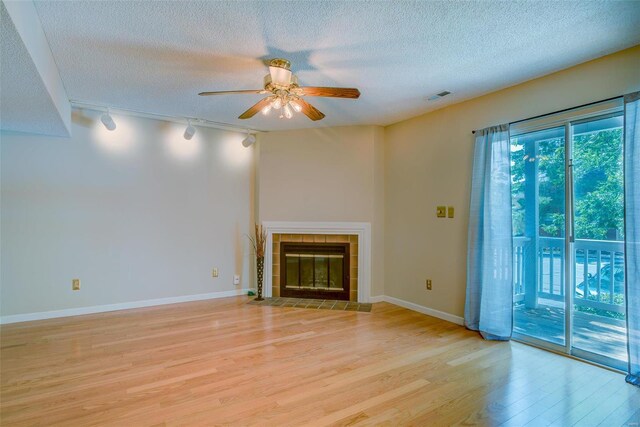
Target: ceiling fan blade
pixel 256 107
pixel 333 92
pixel 309 110
pixel 230 92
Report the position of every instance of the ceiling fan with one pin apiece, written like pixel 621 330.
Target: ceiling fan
pixel 286 95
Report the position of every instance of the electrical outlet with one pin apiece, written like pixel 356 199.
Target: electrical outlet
pixel 214 272
pixel 75 284
pixel 441 211
pixel 428 284
pixel 236 279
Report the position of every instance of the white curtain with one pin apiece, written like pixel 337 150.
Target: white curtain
pixel 488 307
pixel 632 230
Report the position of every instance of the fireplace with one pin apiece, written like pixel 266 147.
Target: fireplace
pixel 333 249
pixel 315 270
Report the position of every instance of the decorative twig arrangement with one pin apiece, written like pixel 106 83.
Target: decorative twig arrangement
pixel 259 242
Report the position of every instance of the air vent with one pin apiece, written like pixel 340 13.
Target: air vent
pixel 438 95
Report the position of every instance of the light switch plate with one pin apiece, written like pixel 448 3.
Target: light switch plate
pixel 441 211
pixel 450 211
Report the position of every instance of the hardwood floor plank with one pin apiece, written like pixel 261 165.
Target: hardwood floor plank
pixel 626 414
pixel 357 409
pixel 225 362
pixel 606 406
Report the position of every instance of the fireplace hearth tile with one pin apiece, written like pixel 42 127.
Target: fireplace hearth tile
pixel 327 304
pixel 340 305
pixel 314 304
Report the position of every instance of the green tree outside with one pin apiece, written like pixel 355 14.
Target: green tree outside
pixel 598 192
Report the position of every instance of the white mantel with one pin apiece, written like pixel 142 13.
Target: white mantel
pixel 361 229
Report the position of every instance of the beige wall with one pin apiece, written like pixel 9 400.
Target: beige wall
pixel 377 227
pixel 136 214
pixel 326 174
pixel 428 161
pixel 147 215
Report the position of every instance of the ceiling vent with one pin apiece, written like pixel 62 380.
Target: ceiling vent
pixel 438 95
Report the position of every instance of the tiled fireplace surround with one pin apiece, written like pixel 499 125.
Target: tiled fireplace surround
pixel 316 238
pixel 357 234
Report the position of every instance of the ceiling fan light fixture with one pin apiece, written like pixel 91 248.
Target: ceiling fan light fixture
pixel 283 90
pixel 189 131
pixel 280 76
pixel 280 72
pixel 297 107
pixel 107 121
pixel 288 112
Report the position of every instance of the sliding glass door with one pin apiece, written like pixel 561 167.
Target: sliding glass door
pixel 568 222
pixel 538 203
pixel 598 223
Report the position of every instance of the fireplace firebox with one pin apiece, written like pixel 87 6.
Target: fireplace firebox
pixel 314 270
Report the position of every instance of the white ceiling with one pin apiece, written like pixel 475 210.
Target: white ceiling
pixel 32 96
pixel 155 56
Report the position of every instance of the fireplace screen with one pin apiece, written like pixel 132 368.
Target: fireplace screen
pixel 315 270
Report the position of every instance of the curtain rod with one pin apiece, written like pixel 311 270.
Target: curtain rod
pixel 560 111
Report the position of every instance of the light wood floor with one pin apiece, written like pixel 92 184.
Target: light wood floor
pixel 224 362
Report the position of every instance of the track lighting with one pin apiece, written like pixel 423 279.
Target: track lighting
pixel 189 131
pixel 249 140
pixel 107 121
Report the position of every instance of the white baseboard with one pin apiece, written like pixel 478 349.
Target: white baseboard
pixel 420 309
pixel 15 318
pixel 120 306
pixel 377 298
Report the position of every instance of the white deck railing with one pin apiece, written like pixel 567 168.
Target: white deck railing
pixel 590 258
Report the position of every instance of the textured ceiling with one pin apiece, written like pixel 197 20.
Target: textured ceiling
pixel 155 56
pixel 26 105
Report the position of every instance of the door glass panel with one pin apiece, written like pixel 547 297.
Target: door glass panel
pixel 538 203
pixel 306 271
pixel 322 272
pixel 335 272
pixel 598 302
pixel 293 270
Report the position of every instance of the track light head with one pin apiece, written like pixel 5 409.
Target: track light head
pixel 107 121
pixel 249 140
pixel 189 131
